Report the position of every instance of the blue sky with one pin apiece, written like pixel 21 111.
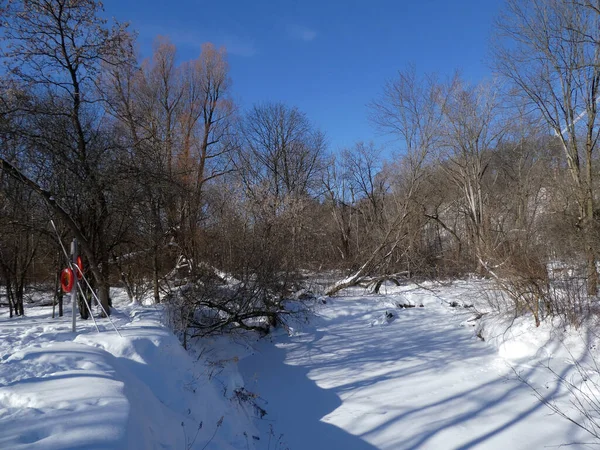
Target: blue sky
pixel 328 58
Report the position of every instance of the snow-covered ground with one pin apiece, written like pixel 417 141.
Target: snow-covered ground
pixel 417 378
pixel 90 390
pixel 360 373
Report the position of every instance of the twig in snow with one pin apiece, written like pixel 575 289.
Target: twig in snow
pixel 219 423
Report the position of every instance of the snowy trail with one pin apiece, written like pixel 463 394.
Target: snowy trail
pixel 422 381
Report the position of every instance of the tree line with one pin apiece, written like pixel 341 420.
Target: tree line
pixel 161 177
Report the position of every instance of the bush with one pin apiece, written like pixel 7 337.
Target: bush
pixel 216 304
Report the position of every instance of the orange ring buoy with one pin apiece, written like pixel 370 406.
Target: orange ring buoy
pixel 67 280
pixel 80 270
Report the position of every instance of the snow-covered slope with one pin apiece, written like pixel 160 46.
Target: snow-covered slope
pixel 89 390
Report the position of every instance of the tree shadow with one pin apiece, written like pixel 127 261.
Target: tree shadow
pixel 299 407
pixel 361 369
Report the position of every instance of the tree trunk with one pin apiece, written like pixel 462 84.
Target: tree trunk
pixel 54 297
pixel 125 279
pixel 82 303
pixel 155 279
pixel 592 273
pixel 104 296
pixel 60 302
pixel 9 297
pixel 20 310
pixel 589 229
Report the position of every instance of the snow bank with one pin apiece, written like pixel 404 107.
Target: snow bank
pixel 518 338
pixel 102 391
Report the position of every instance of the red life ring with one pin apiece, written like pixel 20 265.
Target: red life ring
pixel 67 280
pixel 80 268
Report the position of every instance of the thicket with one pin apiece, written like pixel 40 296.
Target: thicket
pixel 177 194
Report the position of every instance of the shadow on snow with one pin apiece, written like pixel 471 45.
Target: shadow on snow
pixel 346 356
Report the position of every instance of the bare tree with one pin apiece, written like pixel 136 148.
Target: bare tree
pixel 20 239
pixel 549 50
pixel 54 49
pixel 472 130
pixel 363 166
pixel 283 152
pixel 341 199
pixel 281 162
pixel 177 119
pixel 146 103
pixel 208 120
pixel 410 109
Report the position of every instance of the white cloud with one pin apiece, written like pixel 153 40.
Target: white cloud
pixel 301 33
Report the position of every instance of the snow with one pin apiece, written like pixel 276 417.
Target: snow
pixel 360 371
pixel 351 379
pixel 89 390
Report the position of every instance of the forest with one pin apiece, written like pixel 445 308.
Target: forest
pixel 171 189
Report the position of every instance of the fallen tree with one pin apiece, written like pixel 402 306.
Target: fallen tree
pixel 377 258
